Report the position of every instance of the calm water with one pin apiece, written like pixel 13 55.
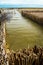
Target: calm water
pixel 22 32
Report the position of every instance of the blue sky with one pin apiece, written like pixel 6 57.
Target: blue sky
pixel 21 2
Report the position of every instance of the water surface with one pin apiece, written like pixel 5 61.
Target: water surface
pixel 22 32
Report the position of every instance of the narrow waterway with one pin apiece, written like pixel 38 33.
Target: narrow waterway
pixel 22 32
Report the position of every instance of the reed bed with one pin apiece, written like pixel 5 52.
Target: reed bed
pixel 36 16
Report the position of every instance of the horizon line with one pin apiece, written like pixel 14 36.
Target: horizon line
pixel 21 6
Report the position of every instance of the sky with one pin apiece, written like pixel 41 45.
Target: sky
pixel 40 2
pixel 21 3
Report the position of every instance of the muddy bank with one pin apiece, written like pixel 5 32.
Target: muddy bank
pixel 36 16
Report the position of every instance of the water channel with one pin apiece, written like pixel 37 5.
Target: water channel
pixel 23 33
